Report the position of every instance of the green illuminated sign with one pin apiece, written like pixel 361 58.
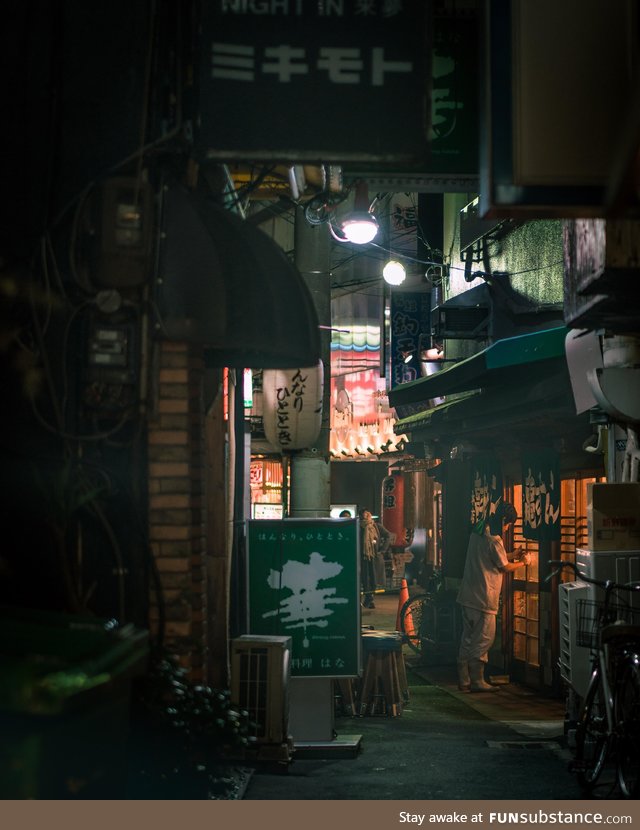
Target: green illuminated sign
pixel 304 582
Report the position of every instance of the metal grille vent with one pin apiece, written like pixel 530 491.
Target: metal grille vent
pixel 260 672
pixel 461 323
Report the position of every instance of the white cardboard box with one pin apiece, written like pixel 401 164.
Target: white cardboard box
pixel 613 516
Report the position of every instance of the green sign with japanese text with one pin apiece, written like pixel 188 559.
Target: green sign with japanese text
pixel 541 495
pixel 304 582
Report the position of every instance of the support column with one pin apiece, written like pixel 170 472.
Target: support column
pixel 310 477
pixel 311 700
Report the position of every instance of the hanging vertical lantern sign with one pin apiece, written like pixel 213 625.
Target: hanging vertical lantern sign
pixel 292 406
pixel 393 506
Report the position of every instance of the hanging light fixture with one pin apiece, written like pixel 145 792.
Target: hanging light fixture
pixel 394 272
pixel 359 225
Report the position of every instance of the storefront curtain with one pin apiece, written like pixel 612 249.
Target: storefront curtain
pixel 541 495
pixel 485 492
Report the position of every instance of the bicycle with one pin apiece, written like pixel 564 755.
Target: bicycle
pixel 428 620
pixel 608 727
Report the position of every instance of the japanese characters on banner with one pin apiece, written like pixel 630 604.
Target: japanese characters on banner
pixel 393 507
pixel 304 582
pixel 541 495
pixel 410 329
pixel 292 406
pixel 485 492
pixel 321 64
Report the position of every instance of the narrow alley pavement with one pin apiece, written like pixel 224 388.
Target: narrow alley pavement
pixel 445 745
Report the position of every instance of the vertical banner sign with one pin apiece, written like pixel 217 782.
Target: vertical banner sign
pixel 403 225
pixel 485 491
pixel 541 496
pixel 304 582
pixel 410 330
pixel 329 80
pixel 454 110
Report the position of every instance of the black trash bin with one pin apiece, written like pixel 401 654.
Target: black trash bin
pixel 65 704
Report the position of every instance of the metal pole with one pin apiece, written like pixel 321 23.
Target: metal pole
pixel 310 469
pixel 311 699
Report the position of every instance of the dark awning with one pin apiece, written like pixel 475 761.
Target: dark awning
pixel 488 368
pixel 541 407
pixel 225 284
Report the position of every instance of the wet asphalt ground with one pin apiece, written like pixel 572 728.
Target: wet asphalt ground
pixel 444 744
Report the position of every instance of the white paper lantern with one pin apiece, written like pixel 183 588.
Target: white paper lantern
pixel 292 406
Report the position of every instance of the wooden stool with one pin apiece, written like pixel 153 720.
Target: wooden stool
pixel 384 687
pixel 344 690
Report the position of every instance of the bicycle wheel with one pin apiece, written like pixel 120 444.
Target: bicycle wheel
pixel 627 716
pixel 592 736
pixel 415 619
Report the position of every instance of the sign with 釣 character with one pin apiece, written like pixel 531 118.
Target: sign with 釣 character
pixel 304 582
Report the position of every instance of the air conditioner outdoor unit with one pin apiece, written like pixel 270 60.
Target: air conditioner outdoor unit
pixel 260 674
pixel 465 316
pixel 471 323
pixel 574 661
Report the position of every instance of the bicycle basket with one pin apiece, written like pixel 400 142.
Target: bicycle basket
pixel 591 619
pixel 589 614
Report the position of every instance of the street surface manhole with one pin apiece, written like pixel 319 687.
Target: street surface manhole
pixel 522 744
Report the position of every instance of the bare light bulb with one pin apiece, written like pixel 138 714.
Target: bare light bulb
pixel 394 272
pixel 360 227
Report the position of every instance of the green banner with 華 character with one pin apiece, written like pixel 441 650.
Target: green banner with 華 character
pixel 304 582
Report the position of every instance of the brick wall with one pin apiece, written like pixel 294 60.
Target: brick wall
pixel 176 503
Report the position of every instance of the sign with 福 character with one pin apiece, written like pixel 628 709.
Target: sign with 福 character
pixel 328 80
pixel 304 582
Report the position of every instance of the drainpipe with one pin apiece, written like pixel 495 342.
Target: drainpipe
pixel 311 699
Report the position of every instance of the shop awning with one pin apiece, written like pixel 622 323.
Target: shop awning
pixel 226 285
pixel 492 367
pixel 516 411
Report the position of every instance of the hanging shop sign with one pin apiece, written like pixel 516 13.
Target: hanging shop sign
pixel 304 582
pixel 393 507
pixel 410 330
pixel 546 154
pixel 541 495
pixel 454 92
pixel 292 406
pixel 485 492
pixel 410 335
pixel 328 68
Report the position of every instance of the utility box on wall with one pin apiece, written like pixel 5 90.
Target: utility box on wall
pixel 260 677
pixel 613 516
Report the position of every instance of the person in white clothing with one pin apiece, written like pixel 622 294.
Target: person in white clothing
pixel 479 596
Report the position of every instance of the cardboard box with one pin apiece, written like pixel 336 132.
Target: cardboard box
pixel 613 516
